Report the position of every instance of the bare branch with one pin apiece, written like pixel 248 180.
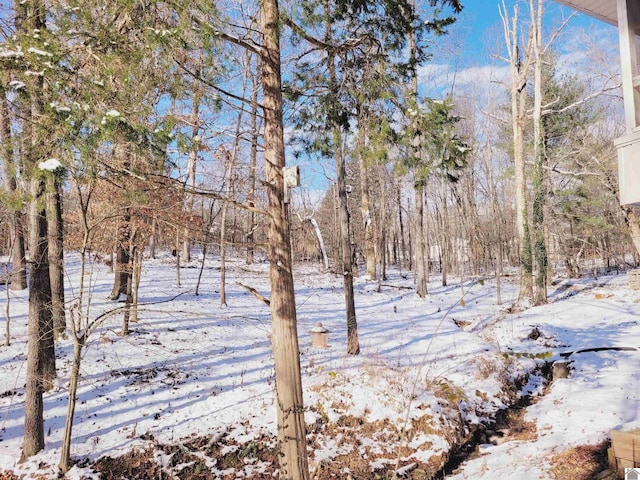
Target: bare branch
pixel 256 293
pixel 176 184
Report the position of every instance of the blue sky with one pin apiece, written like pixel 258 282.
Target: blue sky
pixel 480 20
pixel 466 57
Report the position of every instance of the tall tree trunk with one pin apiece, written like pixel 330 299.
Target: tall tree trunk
pixel 223 230
pixel 41 354
pixel 253 156
pixel 444 232
pixel 403 247
pixel 353 345
pixel 16 223
pixel 347 266
pixel 292 444
pixel 56 254
pixel 539 244
pixel 191 169
pixel 420 243
pixel 519 72
pixel 40 335
pixel 367 214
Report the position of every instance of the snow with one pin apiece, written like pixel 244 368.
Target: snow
pixel 191 367
pixel 17 84
pixel 50 165
pixel 39 52
pixel 6 53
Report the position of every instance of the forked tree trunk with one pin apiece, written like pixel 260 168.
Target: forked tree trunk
pixel 519 72
pixel 292 445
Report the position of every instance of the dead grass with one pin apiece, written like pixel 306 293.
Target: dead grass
pixel 580 463
pixel 519 429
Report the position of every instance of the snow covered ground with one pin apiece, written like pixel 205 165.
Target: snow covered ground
pixel 428 371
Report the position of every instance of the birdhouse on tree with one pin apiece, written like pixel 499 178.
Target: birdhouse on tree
pixel 291 180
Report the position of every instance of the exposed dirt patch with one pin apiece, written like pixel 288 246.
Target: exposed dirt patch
pixel 580 463
pixel 7 476
pixel 197 459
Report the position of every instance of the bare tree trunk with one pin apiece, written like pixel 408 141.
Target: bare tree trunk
pixel 353 344
pixel 420 243
pixel 135 280
pixel 367 214
pixel 444 232
pixel 223 231
pixel 191 169
pixel 178 282
pixel 539 246
pixel 153 240
pixel 403 246
pixel 7 308
pixel 253 156
pixel 16 224
pixel 519 71
pixel 56 254
pixel 41 367
pixel 40 323
pixel 122 260
pixel 230 162
pixel 292 444
pixel 65 455
pixel 323 248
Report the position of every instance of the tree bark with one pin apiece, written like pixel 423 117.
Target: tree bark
pixel 40 335
pixel 122 264
pixel 367 214
pixel 56 254
pixel 420 243
pixel 519 72
pixel 65 455
pixel 290 406
pixel 16 223
pixel 353 344
pixel 347 266
pixel 539 244
pixel 253 156
pixel 191 170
